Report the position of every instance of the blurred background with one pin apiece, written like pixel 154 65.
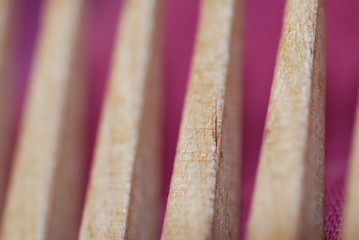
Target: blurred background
pixel 263 22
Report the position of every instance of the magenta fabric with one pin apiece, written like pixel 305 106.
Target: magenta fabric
pixel 263 20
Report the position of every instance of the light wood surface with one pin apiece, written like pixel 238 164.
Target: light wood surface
pixel 46 189
pixel 351 210
pixel 203 198
pixel 288 196
pixel 123 196
pixel 7 30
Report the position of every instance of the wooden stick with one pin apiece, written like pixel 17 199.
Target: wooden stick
pixel 123 197
pixel 288 196
pixel 46 188
pixel 203 199
pixel 351 211
pixel 7 29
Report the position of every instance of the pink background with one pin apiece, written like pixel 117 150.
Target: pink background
pixel 263 21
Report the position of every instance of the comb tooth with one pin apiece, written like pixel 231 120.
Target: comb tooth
pixel 351 211
pixel 7 10
pixel 123 195
pixel 46 188
pixel 288 196
pixel 203 199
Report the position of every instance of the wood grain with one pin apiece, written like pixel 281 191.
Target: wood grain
pixel 7 31
pixel 288 196
pixel 123 195
pixel 351 210
pixel 46 188
pixel 203 199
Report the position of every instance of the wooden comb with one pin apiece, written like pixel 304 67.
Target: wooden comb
pixel 46 192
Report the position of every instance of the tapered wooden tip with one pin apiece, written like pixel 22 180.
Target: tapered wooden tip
pixel 7 31
pixel 46 189
pixel 351 210
pixel 289 189
pixel 203 199
pixel 123 195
